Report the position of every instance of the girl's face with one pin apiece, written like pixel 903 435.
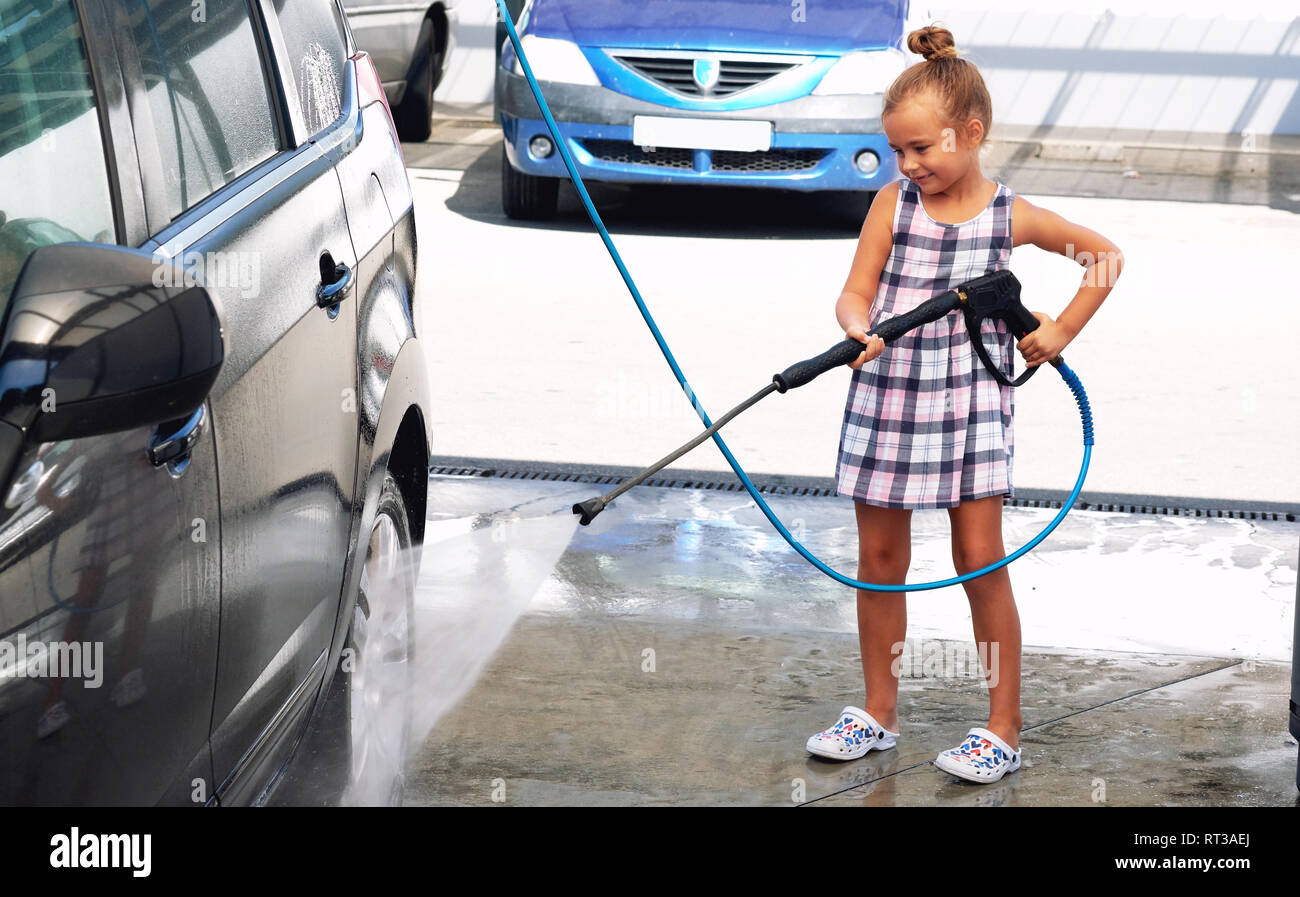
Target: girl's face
pixel 934 155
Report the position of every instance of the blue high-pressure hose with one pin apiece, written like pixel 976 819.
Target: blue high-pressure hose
pixel 1071 379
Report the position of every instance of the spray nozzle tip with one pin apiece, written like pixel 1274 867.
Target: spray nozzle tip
pixel 587 510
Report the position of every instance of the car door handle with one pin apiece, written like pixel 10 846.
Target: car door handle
pixel 173 449
pixel 330 294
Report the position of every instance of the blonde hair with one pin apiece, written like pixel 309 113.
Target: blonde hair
pixel 955 81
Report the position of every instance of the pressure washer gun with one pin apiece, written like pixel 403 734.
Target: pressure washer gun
pixel 995 295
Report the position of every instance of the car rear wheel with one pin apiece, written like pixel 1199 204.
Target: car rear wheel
pixel 526 196
pixel 414 115
pixel 368 705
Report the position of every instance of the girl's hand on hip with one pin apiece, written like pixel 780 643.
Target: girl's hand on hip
pixel 1045 343
pixel 875 345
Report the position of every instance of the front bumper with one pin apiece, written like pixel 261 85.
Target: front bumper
pixel 814 140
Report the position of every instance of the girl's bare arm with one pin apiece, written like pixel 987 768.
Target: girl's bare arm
pixel 1102 261
pixel 874 245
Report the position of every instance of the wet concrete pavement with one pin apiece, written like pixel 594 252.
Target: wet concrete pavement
pixel 1157 647
pixel 680 653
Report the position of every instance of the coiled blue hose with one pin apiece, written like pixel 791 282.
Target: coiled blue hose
pixel 1071 379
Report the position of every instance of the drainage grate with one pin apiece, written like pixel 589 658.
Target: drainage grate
pixel 610 480
pixel 815 491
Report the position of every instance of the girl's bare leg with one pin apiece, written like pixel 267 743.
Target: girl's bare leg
pixel 884 554
pixel 976 543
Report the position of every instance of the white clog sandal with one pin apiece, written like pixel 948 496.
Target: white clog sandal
pixel 854 733
pixel 983 757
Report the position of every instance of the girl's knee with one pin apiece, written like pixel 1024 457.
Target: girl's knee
pixel 885 561
pixel 966 559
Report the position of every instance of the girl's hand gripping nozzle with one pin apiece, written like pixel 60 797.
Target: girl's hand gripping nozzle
pixel 992 295
pixel 849 349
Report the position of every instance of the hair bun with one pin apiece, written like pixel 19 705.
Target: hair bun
pixel 932 42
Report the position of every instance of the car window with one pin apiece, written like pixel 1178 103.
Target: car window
pixel 54 184
pixel 317 49
pixel 208 96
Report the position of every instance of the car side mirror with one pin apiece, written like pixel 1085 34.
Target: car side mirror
pixel 98 339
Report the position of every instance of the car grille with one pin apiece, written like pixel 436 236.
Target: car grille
pixel 676 73
pixel 627 153
pixel 772 160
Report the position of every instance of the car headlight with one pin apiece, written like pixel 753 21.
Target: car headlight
pixel 862 71
pixel 552 59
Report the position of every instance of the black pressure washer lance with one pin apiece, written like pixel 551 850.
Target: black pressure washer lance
pixel 995 295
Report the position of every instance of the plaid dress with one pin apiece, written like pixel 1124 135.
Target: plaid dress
pixel 925 425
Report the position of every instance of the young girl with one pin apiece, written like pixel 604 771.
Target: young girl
pixel 928 426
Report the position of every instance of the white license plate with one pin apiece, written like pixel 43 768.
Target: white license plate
pixel 702 133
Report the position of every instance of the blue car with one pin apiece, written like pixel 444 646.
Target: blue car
pixel 768 93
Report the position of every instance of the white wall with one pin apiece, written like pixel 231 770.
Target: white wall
pixel 1169 65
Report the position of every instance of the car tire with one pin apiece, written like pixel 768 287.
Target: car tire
pixel 525 196
pixel 366 710
pixel 414 115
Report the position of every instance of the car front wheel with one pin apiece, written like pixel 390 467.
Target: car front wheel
pixel 525 196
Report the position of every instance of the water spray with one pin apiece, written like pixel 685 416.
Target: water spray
pixel 994 295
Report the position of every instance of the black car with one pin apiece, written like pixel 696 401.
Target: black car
pixel 214 449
